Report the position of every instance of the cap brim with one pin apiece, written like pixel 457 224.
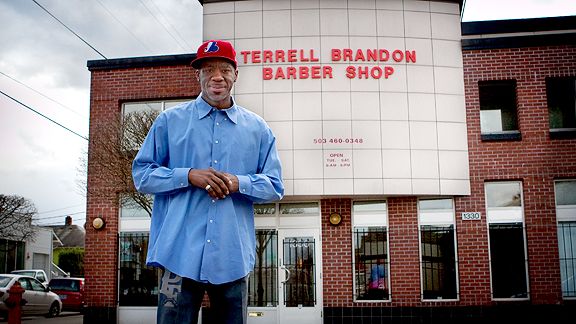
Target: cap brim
pixel 196 63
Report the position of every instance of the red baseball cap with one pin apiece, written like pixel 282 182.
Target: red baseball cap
pixel 215 49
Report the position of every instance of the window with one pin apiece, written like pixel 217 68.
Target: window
pixel 508 257
pixel 263 282
pixel 561 95
pixel 437 249
pixel 138 282
pixel 137 117
pixel 11 255
pixel 498 117
pixel 566 215
pixel 370 243
pixel 129 208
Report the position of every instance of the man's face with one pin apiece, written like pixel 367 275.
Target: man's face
pixel 217 76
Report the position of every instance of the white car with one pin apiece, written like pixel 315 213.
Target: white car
pixel 39 299
pixel 36 274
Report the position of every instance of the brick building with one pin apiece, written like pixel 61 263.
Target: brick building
pixel 430 165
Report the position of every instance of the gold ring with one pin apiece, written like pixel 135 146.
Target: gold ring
pixel 208 187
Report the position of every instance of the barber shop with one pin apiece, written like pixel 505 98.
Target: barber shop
pixel 428 165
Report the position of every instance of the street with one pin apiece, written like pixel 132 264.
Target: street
pixel 63 318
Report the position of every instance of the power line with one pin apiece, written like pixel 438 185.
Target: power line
pixel 58 209
pixel 37 112
pixel 122 24
pixel 58 20
pixel 163 26
pixel 169 24
pixel 40 93
pixel 59 216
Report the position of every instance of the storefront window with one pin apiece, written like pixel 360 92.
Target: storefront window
pixel 263 282
pixel 138 282
pixel 438 249
pixel 566 215
pixel 508 257
pixel 370 242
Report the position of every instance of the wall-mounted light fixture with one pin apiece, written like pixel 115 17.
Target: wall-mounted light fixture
pixel 98 223
pixel 335 219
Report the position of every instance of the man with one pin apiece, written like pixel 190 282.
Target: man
pixel 207 162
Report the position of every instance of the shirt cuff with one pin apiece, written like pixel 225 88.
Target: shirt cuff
pixel 181 177
pixel 244 184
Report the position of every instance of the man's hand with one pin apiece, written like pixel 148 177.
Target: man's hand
pixel 217 184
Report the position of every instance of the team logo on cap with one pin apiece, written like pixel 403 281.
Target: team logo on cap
pixel 212 47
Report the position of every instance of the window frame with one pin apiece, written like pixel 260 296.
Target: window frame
pixel 494 217
pixel 565 215
pixel 560 132
pixel 121 299
pixel 513 134
pixel 445 217
pixel 367 219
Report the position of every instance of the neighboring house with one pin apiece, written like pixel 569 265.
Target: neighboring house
pixel 34 253
pixel 68 238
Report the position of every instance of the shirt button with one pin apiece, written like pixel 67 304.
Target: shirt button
pixel 216 141
pixel 217 124
pixel 215 161
pixel 211 221
pixel 208 241
pixel 213 201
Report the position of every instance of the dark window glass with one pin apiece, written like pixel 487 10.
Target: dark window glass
pixel 438 262
pixel 11 255
pixel 561 97
pixel 498 106
pixel 565 193
pixel 567 248
pixel 263 282
pixel 371 263
pixel 299 261
pixel 508 261
pixel 138 282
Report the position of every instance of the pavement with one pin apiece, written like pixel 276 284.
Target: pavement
pixel 63 318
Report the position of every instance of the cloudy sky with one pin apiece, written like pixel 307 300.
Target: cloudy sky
pixel 43 66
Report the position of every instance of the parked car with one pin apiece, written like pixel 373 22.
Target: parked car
pixel 40 275
pixel 71 292
pixel 39 299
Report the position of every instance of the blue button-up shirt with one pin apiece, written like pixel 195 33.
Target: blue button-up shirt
pixel 192 234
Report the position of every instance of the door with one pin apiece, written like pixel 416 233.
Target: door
pixel 286 286
pixel 300 298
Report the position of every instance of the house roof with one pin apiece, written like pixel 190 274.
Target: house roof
pixel 69 235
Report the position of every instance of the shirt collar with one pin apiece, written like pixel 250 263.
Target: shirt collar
pixel 204 109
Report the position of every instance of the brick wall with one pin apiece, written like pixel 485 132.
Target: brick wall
pixel 109 89
pixel 535 160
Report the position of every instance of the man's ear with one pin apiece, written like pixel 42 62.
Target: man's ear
pixel 197 74
pixel 235 75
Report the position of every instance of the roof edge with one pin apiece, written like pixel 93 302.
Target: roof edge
pixel 139 62
pixel 518 25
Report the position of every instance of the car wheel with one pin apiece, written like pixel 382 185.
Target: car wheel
pixel 54 310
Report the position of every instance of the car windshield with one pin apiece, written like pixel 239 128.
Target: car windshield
pixel 63 284
pixel 4 281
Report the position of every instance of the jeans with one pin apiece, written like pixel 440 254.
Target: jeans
pixel 179 300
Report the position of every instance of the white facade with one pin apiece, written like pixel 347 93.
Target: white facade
pixel 364 97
